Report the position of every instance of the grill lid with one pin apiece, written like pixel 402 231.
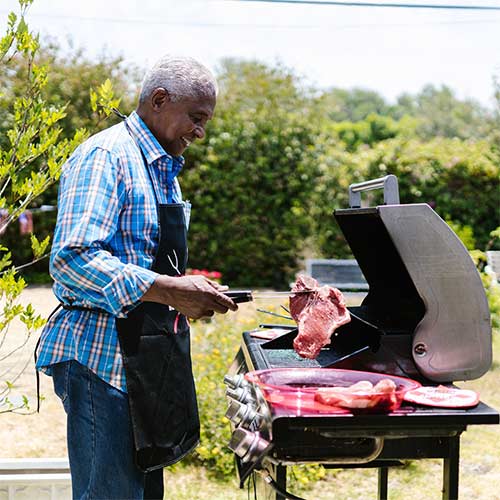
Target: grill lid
pixel 422 281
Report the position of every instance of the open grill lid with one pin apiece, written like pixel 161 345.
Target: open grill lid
pixel 422 281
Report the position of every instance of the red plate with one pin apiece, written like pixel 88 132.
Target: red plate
pixel 441 396
pixel 297 389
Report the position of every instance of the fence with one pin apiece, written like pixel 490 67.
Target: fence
pixel 35 478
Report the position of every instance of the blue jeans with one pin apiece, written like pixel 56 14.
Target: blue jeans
pixel 100 441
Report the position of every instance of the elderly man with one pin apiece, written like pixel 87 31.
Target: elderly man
pixel 119 349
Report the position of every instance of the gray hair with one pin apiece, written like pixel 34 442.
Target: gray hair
pixel 181 77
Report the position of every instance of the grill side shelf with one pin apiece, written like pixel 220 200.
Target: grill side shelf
pixel 253 354
pixel 405 419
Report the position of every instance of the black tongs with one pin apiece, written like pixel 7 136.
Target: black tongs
pixel 239 296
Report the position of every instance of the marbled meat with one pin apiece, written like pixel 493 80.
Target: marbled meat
pixel 362 395
pixel 318 314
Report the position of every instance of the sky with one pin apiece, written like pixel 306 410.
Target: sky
pixel 390 50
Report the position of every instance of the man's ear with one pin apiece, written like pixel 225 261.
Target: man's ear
pixel 159 98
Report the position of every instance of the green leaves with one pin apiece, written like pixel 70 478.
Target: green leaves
pixel 31 320
pixel 5 259
pixel 32 153
pixel 39 248
pixel 103 100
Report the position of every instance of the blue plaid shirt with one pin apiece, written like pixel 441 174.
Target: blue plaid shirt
pixel 104 243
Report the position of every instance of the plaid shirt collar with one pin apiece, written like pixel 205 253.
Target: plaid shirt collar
pixel 151 148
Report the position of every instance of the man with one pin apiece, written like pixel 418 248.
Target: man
pixel 118 350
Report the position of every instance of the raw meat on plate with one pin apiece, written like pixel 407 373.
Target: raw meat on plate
pixel 442 396
pixel 362 395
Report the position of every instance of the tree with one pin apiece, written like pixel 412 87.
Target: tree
pixel 31 156
pixel 352 105
pixel 72 77
pixel 494 135
pixel 442 114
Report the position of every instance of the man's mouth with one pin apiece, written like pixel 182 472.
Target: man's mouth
pixel 185 141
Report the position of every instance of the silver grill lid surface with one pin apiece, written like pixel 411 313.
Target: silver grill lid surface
pixel 453 340
pixel 423 282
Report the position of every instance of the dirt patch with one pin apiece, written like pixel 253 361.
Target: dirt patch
pixel 37 434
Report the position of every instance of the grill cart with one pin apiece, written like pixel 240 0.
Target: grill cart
pixel 425 317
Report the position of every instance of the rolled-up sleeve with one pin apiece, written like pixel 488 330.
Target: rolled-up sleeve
pixel 91 197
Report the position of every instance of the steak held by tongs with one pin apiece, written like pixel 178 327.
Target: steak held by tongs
pixel 318 314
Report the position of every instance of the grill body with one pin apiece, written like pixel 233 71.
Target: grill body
pixel 425 316
pixel 348 441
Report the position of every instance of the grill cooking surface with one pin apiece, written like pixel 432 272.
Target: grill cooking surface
pixel 413 415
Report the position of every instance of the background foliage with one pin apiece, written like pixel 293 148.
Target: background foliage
pixel 252 181
pixel 279 157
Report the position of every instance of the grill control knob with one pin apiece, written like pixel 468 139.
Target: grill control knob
pixel 252 421
pixel 235 381
pixel 247 445
pixel 235 412
pixel 244 415
pixel 242 394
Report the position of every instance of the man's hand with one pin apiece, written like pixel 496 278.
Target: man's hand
pixel 193 296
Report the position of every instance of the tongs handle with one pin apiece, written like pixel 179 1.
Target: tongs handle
pixel 239 296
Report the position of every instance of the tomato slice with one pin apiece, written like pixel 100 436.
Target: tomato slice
pixel 441 396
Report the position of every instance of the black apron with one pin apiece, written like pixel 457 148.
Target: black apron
pixel 155 346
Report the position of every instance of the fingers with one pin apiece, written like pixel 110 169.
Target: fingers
pixel 222 302
pixel 218 286
pixel 220 305
pixel 196 296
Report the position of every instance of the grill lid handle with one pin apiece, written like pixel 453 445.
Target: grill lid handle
pixel 389 184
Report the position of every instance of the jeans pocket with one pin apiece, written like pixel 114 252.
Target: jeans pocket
pixel 60 378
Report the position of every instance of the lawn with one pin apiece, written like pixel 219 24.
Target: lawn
pixel 214 344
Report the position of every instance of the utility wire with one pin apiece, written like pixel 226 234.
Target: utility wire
pixel 368 4
pixel 257 25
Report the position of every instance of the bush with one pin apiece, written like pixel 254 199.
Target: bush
pixel 459 179
pixel 251 182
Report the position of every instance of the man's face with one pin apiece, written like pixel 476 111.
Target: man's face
pixel 177 124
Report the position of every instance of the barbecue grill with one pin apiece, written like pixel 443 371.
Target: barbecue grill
pixel 425 317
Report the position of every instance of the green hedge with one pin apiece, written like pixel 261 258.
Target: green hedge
pixel 251 182
pixel 459 179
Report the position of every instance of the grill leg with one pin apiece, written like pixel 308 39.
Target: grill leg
pixel 451 470
pixel 383 476
pixel 281 480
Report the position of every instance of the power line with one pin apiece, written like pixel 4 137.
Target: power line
pixel 257 25
pixel 369 4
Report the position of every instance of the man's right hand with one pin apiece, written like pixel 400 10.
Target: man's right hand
pixel 193 296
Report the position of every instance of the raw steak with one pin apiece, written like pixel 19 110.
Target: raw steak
pixel 318 314
pixel 362 395
pixel 445 397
